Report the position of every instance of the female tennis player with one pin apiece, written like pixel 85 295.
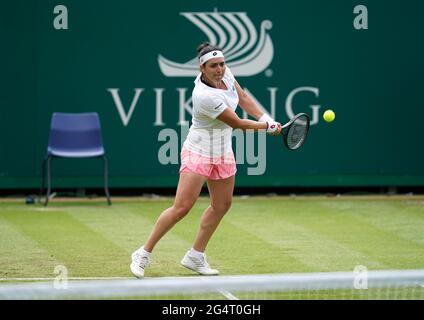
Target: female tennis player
pixel 207 156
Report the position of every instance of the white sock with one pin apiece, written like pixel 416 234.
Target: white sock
pixel 144 252
pixel 196 253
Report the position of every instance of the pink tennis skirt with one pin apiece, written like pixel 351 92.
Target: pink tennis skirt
pixel 213 168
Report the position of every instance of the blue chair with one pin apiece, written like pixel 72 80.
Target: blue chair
pixel 74 135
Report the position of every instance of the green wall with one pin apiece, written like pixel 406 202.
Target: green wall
pixel 371 78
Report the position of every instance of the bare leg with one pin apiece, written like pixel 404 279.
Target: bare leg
pixel 221 193
pixel 188 190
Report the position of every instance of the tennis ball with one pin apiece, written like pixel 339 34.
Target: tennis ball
pixel 329 115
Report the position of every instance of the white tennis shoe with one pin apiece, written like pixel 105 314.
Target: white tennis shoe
pixel 139 262
pixel 198 264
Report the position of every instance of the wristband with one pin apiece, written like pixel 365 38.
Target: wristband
pixel 265 118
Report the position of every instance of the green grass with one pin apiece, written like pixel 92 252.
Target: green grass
pixel 258 235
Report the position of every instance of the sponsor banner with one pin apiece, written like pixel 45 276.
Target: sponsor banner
pixel 134 62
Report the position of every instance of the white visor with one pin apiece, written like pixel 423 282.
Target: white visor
pixel 210 55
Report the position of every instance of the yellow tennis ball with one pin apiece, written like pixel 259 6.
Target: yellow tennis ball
pixel 329 115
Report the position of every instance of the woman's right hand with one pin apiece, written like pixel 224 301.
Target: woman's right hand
pixel 274 128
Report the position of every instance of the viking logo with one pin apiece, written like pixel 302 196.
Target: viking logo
pixel 233 32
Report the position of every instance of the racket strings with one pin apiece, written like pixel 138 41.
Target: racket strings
pixel 297 132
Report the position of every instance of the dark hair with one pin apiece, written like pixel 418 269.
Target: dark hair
pixel 206 47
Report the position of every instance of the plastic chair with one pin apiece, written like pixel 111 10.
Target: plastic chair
pixel 74 135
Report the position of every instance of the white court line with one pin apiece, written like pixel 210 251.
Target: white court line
pixel 228 295
pixel 224 292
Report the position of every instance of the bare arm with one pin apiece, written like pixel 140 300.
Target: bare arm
pixel 247 104
pixel 232 119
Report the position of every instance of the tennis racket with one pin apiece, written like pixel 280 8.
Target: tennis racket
pixel 295 131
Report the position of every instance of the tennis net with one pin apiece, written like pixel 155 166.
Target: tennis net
pixel 376 285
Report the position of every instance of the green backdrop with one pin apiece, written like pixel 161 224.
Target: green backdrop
pixel 371 78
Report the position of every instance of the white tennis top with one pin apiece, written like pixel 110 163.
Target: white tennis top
pixel 209 136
